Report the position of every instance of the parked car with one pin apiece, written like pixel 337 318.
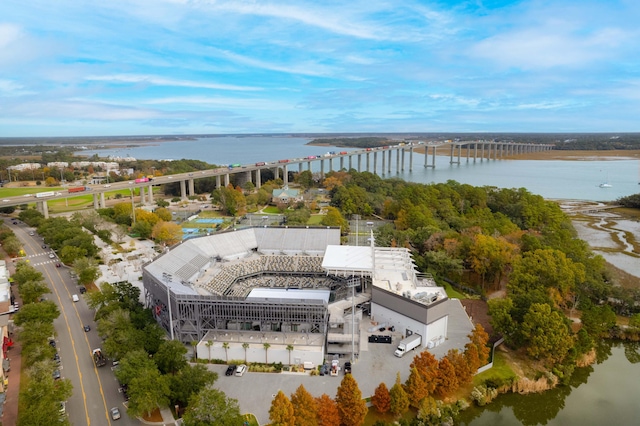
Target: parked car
pixel 58 265
pixel 75 298
pixel 52 256
pixel 324 369
pixel 347 367
pixel 82 289
pixel 44 246
pixel 230 370
pixel 87 328
pixel 56 374
pixel 241 370
pixel 115 413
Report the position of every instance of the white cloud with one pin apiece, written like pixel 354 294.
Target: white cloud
pixel 162 81
pixel 302 68
pixel 257 104
pixel 9 33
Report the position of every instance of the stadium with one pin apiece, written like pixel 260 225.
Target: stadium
pixel 290 295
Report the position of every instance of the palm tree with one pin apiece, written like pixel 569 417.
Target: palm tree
pixel 266 348
pixel 289 348
pixel 245 346
pixel 209 344
pixel 225 345
pixel 194 343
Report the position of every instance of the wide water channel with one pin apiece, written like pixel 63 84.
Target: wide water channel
pixel 603 394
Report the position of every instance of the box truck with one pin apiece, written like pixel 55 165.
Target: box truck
pixel 407 344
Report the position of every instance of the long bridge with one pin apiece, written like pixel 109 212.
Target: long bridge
pixel 474 151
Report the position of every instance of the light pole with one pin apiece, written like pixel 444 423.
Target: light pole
pixel 133 208
pixel 357 218
pixel 352 283
pixel 167 279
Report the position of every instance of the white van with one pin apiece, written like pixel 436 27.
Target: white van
pixel 75 298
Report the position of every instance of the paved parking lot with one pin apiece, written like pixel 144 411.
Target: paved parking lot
pixel 376 364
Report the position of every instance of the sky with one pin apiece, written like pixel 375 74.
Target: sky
pixel 170 67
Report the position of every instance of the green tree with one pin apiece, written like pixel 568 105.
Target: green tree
pixel 212 407
pixel 86 270
pixel 245 346
pixel 148 390
pixel 289 349
pixel 170 357
pixel 304 408
pixel 188 381
pixel 489 256
pixel 399 398
pixel 32 291
pixel 281 412
pixel 598 320
pixel 225 346
pixel 381 399
pixel 266 347
pixel 167 233
pixel 334 218
pixel 546 332
pixel 351 406
pixel 45 311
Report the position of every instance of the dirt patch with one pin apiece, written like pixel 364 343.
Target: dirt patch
pixel 155 416
pixel 479 313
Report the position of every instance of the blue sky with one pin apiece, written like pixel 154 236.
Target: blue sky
pixel 134 67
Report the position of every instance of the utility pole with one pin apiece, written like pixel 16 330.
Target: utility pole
pixel 167 279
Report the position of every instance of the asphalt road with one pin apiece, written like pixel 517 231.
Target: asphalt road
pixel 95 390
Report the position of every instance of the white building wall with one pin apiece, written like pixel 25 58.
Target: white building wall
pixel 256 353
pixel 436 331
pixel 380 314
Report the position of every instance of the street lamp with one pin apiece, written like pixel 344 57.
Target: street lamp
pixel 133 207
pixel 357 218
pixel 353 282
pixel 167 279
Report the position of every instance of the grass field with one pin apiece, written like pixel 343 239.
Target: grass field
pixel 15 192
pixel 500 373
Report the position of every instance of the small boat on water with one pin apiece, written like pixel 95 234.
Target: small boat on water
pixel 605 185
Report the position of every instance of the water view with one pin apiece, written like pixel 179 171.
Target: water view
pixel 551 179
pixel 605 393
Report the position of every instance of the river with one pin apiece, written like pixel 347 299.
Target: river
pixel 605 393
pixel 552 179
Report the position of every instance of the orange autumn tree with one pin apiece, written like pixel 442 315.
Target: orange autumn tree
pixel 281 411
pixel 351 406
pixel 416 388
pixel 381 399
pixel 480 338
pixel 327 411
pixel 399 398
pixel 304 407
pixel 447 380
pixel 427 366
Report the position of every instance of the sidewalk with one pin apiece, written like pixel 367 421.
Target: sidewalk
pixel 167 418
pixel 10 409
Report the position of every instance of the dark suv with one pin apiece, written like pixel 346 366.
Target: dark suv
pixel 230 370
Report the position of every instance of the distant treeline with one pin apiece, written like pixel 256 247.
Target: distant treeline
pixel 631 201
pixel 364 142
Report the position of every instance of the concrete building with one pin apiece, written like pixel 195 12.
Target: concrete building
pixel 282 294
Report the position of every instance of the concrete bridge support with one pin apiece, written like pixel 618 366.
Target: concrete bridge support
pixel 350 162
pixel 285 172
pixel 96 205
pixel 401 152
pixel 330 164
pixel 309 165
pixel 359 162
pixel 218 182
pixel 411 159
pixel 43 208
pixel 321 169
pixel 143 200
pixel 368 154
pixel 342 163
pixel 227 181
pixel 103 204
pixel 389 162
pixel 192 190
pixel 183 190
pixel 259 178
